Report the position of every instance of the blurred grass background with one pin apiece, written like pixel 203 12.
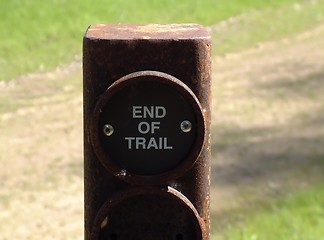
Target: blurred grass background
pixel 39 35
pixel 298 216
pixel 268 129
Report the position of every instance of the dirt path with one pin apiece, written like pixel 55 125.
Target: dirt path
pixel 268 136
pixel 268 131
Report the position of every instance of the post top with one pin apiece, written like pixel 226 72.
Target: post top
pixel 147 31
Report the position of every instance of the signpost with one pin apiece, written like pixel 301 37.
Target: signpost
pixel 146 132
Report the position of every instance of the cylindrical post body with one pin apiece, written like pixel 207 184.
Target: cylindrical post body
pixel 111 52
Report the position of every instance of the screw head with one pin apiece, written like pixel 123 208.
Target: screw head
pixel 108 130
pixel 104 223
pixel 186 126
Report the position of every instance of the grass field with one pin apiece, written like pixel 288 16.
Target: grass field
pixel 268 137
pixel 266 25
pixel 40 35
pixel 299 216
pixel 267 126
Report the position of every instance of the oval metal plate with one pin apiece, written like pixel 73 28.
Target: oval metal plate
pixel 147 124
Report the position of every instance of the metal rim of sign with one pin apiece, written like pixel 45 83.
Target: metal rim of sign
pixel 168 193
pixel 185 164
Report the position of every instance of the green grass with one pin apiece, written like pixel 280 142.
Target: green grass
pixel 300 216
pixel 39 35
pixel 269 24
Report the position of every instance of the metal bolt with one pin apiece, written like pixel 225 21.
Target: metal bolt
pixel 186 126
pixel 108 130
pixel 104 223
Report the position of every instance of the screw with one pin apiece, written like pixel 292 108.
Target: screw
pixel 186 126
pixel 104 223
pixel 108 130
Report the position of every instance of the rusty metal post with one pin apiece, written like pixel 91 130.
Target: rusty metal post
pixel 146 132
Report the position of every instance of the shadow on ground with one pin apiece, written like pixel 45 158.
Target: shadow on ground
pixel 277 145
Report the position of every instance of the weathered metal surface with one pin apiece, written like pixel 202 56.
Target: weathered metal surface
pixel 177 220
pixel 112 52
pixel 165 151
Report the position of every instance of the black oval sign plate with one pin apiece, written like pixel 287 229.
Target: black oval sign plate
pixel 149 124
